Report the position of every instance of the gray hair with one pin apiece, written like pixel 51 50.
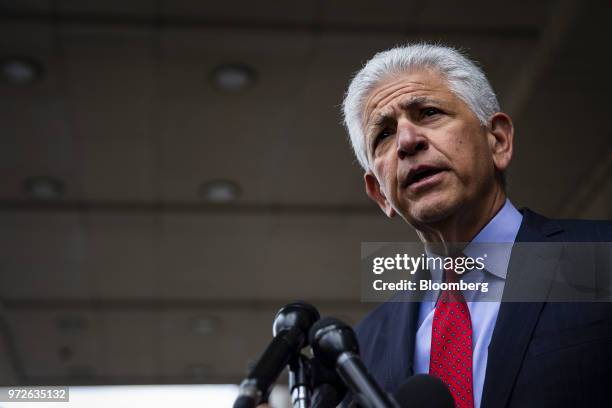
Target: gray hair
pixel 465 79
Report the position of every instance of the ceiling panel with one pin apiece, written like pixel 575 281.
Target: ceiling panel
pixel 43 256
pixel 26 5
pixel 8 373
pixel 111 89
pixel 385 14
pixel 106 256
pixel 139 8
pixel 123 255
pixel 208 134
pixel 243 334
pixel 243 11
pixel 47 352
pixel 35 130
pixel 130 345
pixel 481 13
pixel 229 257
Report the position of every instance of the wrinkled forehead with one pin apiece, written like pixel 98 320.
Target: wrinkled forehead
pixel 416 81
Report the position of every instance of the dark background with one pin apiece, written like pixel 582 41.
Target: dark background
pixel 119 269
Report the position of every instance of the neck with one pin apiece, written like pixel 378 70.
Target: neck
pixel 465 223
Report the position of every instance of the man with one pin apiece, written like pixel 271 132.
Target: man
pixel 426 127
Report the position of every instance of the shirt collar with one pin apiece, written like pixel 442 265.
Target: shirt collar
pixel 501 231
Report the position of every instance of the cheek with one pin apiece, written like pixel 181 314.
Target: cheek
pixel 386 170
pixel 384 166
pixel 461 153
pixel 471 158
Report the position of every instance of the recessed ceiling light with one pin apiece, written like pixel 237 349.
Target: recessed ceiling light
pixel 65 353
pixel 220 191
pixel 20 70
pixel 233 77
pixel 43 187
pixel 199 371
pixel 81 372
pixel 71 324
pixel 203 325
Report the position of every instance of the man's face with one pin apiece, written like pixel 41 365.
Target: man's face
pixel 429 155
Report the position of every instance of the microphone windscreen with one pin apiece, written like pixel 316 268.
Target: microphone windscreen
pixel 296 315
pixel 330 338
pixel 424 391
pixel 244 402
pixel 327 323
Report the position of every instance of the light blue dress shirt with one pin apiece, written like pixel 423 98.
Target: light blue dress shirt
pixel 503 228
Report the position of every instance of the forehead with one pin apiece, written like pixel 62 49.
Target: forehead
pixel 399 87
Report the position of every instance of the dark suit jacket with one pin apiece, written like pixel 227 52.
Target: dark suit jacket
pixel 542 354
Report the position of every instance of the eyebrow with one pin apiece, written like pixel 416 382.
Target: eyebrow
pixel 411 103
pixel 417 101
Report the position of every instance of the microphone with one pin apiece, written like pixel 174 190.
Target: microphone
pixel 424 391
pixel 334 343
pixel 328 388
pixel 299 381
pixel 290 331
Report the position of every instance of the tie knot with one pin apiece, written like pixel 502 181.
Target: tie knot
pixel 452 293
pixel 451 276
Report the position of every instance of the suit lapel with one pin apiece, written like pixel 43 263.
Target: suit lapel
pixel 407 312
pixel 406 341
pixel 517 321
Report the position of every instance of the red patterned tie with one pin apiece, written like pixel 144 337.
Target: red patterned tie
pixel 451 344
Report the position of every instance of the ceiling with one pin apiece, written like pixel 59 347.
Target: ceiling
pixel 132 276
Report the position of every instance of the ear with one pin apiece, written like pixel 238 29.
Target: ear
pixel 376 194
pixel 501 138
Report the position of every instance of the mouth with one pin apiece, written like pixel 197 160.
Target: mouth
pixel 421 176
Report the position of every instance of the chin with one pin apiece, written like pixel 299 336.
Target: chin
pixel 430 209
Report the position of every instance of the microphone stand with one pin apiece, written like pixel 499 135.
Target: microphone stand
pixel 300 381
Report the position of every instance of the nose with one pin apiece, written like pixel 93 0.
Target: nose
pixel 410 140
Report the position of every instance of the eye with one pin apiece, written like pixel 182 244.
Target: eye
pixel 429 112
pixel 385 133
pixel 382 135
